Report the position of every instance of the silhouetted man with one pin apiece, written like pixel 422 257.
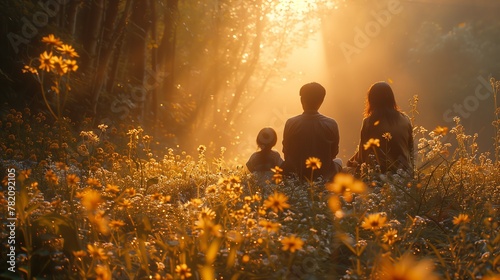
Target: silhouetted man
pixel 311 134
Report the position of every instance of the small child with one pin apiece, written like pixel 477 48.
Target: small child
pixel 266 158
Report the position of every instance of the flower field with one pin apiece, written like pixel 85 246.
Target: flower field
pixel 85 202
pixel 111 203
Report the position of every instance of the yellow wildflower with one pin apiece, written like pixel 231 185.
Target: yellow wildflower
pixel 51 177
pixel 91 200
pixel 207 213
pixel 71 64
pixel 334 203
pixel 313 163
pixel 196 202
pixel 440 130
pixel 251 223
pixel 461 219
pixel 374 221
pixel 292 243
pixel 125 204
pixel 166 198
pixel 390 236
pixel 246 208
pixel 102 272
pixel 72 179
pixel 277 169
pixel 52 40
pixel 238 214
pixel 277 202
pixel 269 226
pixel 100 221
pixel 277 178
pixel 116 224
pixel 102 127
pixel 112 188
pixel 371 143
pixel 93 182
pixel 157 197
pixel 183 271
pixel 61 165
pixel 346 185
pixel 202 149
pixel 237 189
pixel 387 136
pixel 234 179
pixel 24 174
pixel 67 50
pixel 30 69
pixel 211 189
pixel 46 62
pixel 96 252
pixel 262 211
pixel 130 191
pixel 60 66
pixel 492 277
pixel 79 254
pixel 407 268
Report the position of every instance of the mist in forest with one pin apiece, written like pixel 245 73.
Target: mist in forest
pixel 442 51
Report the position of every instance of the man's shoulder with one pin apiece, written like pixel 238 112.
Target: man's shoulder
pixel 311 117
pixel 296 118
pixel 327 119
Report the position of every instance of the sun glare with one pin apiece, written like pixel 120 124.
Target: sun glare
pixel 298 5
pixel 286 8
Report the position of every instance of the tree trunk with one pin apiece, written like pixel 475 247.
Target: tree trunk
pixel 72 16
pixel 106 55
pixel 166 51
pixel 152 104
pixel 92 35
pixel 136 54
pixel 113 71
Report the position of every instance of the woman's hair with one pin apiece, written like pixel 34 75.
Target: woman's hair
pixel 267 138
pixel 380 102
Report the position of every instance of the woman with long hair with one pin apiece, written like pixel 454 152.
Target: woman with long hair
pixel 386 142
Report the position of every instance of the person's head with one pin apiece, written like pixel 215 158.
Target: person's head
pixel 312 96
pixel 379 99
pixel 267 138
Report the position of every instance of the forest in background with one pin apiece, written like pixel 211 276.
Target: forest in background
pixel 204 71
pixel 173 66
